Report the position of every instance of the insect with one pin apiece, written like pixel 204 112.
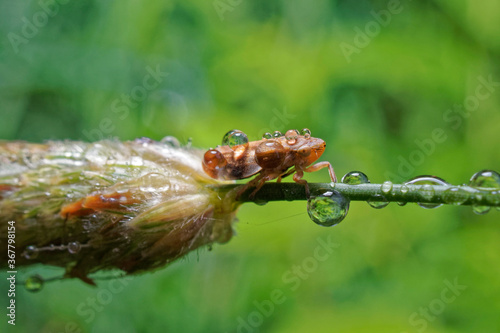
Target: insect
pixel 275 156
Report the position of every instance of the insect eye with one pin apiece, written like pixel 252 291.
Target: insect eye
pixel 304 151
pixel 213 159
pixel 270 154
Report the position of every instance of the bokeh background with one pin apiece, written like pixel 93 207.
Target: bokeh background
pixel 374 79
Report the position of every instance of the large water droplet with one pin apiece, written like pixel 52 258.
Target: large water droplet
pixel 74 247
pixel 455 196
pixel 328 209
pixel 355 178
pixel 487 179
pixel 34 283
pixel 386 187
pixel 31 252
pixel 378 201
pixel 234 138
pixel 426 190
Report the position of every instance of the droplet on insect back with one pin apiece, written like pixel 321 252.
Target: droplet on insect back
pixel 386 187
pixel 455 196
pixel 235 138
pixel 306 133
pixel 355 178
pixel 277 134
pixel 31 252
pixel 328 209
pixel 34 283
pixel 487 179
pixel 267 135
pixel 291 136
pixel 74 247
pixel 378 201
pixel 426 190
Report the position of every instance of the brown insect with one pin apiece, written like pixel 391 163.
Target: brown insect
pixel 275 156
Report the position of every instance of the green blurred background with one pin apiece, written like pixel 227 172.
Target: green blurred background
pixel 258 65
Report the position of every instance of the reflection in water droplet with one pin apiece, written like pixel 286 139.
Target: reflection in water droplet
pixel 34 283
pixel 234 138
pixel 328 209
pixel 455 196
pixel 427 191
pixel 74 247
pixel 386 187
pixel 355 178
pixel 485 179
pixel 378 202
pixel 31 252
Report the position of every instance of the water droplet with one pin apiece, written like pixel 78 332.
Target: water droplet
pixel 260 202
pixel 378 201
pixel 386 187
pixel 488 179
pixel 480 210
pixel 355 178
pixel 494 198
pixel 171 141
pixel 306 133
pixel 235 138
pixel 328 209
pixel 277 134
pixel 404 189
pixel 74 247
pixel 291 136
pixel 402 203
pixel 34 283
pixel 455 196
pixel 267 135
pixel 426 190
pixel 31 252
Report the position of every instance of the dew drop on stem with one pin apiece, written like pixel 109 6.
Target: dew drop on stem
pixel 355 178
pixel 327 209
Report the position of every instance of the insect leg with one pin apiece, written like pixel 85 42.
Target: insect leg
pixel 298 179
pixel 285 174
pixel 321 165
pixel 260 184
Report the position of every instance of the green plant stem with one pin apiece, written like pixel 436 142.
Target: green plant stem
pixel 373 192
